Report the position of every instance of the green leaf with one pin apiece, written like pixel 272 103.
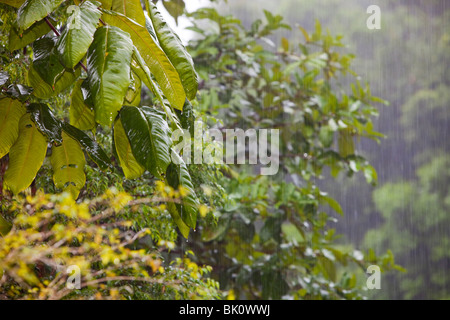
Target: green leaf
pixel 175 8
pixel 68 166
pixel 35 10
pixel 154 57
pixel 176 52
pixel 94 151
pixel 187 117
pixel 346 143
pixel 133 96
pixel 5 227
pixel 46 122
pixel 131 167
pixel 149 136
pixel 13 3
pixel 184 229
pixel 37 30
pixel 10 113
pixel 43 90
pixel 178 176
pixel 81 114
pixel 75 40
pixel 332 203
pixel 25 156
pixel 19 92
pixel 108 60
pixel 131 9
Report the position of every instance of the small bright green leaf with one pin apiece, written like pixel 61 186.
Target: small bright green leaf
pixel 68 166
pixel 37 30
pixel 346 143
pixel 332 203
pixel 94 151
pixel 10 113
pixel 35 10
pixel 81 115
pixel 109 59
pixel 25 156
pixel 176 52
pixel 46 122
pixel 149 136
pixel 131 167
pixel 175 8
pixel 154 57
pixel 178 176
pixel 75 40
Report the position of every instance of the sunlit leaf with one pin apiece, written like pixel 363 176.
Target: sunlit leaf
pixel 35 10
pixel 25 156
pixel 81 115
pixel 10 113
pixel 68 165
pixel 109 59
pixel 131 167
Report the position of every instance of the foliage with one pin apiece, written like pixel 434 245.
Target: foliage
pixel 273 231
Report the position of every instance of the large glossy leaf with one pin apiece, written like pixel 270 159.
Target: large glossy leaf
pixel 25 156
pixel 78 35
pixel 178 176
pixel 149 136
pixel 13 3
pixel 11 111
pixel 46 61
pixel 94 151
pixel 130 8
pixel 18 41
pixel 46 122
pixel 131 167
pixel 176 52
pixel 34 10
pixel 81 114
pixel 68 166
pixel 154 57
pixel 19 92
pixel 43 90
pixel 109 59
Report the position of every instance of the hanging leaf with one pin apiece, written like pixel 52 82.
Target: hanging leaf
pixel 46 122
pixel 175 8
pixel 35 10
pixel 149 136
pixel 131 9
pixel 187 117
pixel 13 3
pixel 176 52
pixel 178 176
pixel 18 41
pixel 346 143
pixel 25 156
pixel 109 59
pixel 75 40
pixel 131 167
pixel 94 151
pixel 68 166
pixel 10 113
pixel 81 115
pixel 46 61
pixel 154 57
pixel 184 229
pixel 43 90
